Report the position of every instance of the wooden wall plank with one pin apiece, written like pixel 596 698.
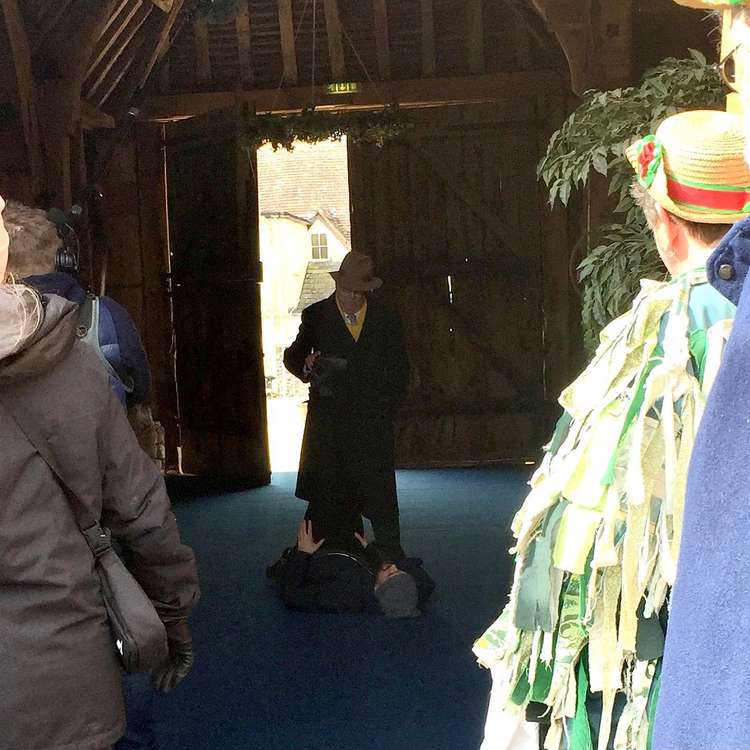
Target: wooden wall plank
pixel 382 39
pixel 335 41
pixel 428 39
pixel 27 93
pixel 56 12
pixel 288 42
pixel 242 26
pixel 202 52
pixel 475 21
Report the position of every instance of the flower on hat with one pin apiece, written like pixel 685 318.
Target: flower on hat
pixel 649 154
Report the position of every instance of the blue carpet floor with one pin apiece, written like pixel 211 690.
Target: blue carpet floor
pixel 269 679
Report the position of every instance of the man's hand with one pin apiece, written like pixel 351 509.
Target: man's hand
pixel 310 361
pixel 305 541
pixel 361 539
pixel 180 660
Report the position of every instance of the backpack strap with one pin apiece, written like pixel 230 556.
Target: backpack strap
pixel 88 332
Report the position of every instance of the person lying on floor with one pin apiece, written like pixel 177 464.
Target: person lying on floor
pixel 322 578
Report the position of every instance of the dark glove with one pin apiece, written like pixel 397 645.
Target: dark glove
pixel 180 660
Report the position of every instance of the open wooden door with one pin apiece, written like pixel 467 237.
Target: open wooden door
pixel 215 278
pixel 478 270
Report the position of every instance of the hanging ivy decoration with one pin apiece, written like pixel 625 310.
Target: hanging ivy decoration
pixel 311 126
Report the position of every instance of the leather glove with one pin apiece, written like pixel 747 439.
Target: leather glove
pixel 180 660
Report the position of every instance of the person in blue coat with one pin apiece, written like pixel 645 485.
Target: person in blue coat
pixel 45 257
pixel 705 697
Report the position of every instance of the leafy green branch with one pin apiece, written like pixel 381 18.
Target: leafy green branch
pixel 593 140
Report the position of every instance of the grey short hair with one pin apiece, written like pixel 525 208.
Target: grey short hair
pixel 34 241
pixel 707 233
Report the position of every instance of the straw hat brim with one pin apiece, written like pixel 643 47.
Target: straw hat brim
pixel 695 167
pixel 357 285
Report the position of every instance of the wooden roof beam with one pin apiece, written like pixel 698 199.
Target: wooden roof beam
pixel 420 92
pixel 382 39
pixel 429 64
pixel 288 42
pixel 242 27
pixel 476 36
pixel 335 40
pixel 27 93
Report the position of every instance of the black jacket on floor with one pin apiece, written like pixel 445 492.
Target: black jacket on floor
pixel 338 582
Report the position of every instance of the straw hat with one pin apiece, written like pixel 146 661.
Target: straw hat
pixel 694 167
pixel 357 272
pixel 712 4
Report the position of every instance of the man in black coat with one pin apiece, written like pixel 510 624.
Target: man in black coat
pixel 351 350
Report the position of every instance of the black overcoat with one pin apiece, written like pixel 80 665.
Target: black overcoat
pixel 347 449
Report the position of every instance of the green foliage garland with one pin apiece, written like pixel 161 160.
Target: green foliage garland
pixel 593 139
pixel 311 126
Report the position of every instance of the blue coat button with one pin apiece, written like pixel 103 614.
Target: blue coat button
pixel 726 272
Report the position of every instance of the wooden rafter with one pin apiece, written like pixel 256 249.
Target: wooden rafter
pixel 288 43
pixel 115 15
pixel 202 52
pixel 382 39
pixel 242 27
pixel 126 63
pixel 428 40
pixel 165 40
pixel 117 53
pixel 476 36
pixel 113 32
pixel 21 51
pixel 335 40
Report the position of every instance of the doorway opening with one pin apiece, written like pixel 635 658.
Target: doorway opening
pixel 305 231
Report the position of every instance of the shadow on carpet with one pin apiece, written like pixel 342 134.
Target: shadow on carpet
pixel 271 679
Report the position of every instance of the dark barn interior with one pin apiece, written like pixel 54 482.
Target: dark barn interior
pixel 145 101
pixel 138 109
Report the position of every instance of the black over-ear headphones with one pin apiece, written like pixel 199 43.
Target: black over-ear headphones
pixel 67 258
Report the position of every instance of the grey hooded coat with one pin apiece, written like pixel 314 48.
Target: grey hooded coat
pixel 59 674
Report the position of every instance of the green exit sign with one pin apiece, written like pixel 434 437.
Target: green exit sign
pixel 342 88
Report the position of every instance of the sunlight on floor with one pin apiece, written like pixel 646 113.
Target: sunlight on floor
pixel 286 422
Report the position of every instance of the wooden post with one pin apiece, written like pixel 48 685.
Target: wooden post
pixel 335 42
pixel 476 36
pixel 26 88
pixel 288 43
pixel 428 40
pixel 382 39
pixel 242 26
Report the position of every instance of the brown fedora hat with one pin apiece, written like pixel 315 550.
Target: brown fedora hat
pixel 357 272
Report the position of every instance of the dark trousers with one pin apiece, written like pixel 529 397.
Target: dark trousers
pixel 336 520
pixel 139 713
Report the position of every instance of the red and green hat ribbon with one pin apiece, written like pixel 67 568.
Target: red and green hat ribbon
pixel 649 154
